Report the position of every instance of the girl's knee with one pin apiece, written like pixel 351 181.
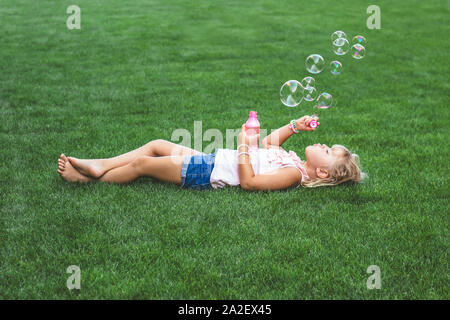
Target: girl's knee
pixel 140 163
pixel 158 141
pixel 154 144
pixel 160 147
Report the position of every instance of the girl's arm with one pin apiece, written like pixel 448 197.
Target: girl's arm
pixel 276 138
pixel 279 179
pixel 279 136
pixel 275 180
pixel 245 170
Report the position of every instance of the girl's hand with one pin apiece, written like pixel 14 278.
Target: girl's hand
pixel 243 138
pixel 302 123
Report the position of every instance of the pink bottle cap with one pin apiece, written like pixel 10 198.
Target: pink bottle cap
pixel 253 114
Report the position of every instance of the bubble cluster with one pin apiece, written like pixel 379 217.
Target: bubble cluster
pixel 308 82
pixel 324 101
pixel 309 90
pixel 291 93
pixel 340 46
pixel 337 35
pixel 359 40
pixel 358 51
pixel 309 93
pixel 314 63
pixel 336 67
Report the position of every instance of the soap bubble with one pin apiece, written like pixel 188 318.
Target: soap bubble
pixel 336 67
pixel 309 93
pixel 341 46
pixel 308 82
pixel 291 93
pixel 359 40
pixel 324 101
pixel 314 63
pixel 358 51
pixel 337 35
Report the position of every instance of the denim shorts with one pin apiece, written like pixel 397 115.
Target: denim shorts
pixel 196 171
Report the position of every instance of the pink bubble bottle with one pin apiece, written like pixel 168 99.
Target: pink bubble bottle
pixel 252 128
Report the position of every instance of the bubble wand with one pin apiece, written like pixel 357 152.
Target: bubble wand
pixel 324 101
pixel 313 123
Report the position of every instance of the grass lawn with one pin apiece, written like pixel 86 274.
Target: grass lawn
pixel 137 70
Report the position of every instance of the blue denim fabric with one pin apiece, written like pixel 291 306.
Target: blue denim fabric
pixel 196 171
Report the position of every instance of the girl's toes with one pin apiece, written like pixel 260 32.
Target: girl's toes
pixel 73 161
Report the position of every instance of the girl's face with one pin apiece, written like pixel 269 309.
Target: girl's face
pixel 320 155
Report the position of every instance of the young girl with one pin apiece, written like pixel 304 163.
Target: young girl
pixel 268 168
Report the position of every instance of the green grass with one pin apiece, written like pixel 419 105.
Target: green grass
pixel 139 69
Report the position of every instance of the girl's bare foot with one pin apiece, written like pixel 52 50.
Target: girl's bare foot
pixel 93 168
pixel 68 172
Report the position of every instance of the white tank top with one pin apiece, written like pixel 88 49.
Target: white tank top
pixel 225 172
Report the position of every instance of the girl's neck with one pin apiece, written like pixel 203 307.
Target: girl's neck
pixel 310 170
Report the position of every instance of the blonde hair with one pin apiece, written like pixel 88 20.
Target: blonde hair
pixel 345 168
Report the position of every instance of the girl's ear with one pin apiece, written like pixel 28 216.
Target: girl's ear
pixel 322 173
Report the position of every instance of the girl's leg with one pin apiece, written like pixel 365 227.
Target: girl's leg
pixel 156 148
pixel 162 168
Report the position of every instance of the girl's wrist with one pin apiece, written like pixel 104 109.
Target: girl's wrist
pixel 299 125
pixel 242 144
pixel 293 126
pixel 243 147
